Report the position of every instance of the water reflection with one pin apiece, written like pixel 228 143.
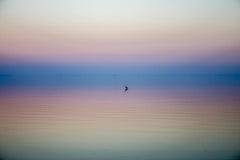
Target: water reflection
pixel 190 123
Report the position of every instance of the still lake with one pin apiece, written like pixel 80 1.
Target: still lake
pixel 110 124
pixel 97 121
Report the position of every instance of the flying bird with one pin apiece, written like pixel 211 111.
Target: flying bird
pixel 126 89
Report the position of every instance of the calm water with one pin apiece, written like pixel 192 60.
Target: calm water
pixel 168 123
pixel 91 118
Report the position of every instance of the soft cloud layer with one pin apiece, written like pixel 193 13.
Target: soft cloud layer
pixel 143 30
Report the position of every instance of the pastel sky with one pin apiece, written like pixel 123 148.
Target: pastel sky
pixel 120 30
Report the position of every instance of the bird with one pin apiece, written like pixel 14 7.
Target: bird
pixel 126 89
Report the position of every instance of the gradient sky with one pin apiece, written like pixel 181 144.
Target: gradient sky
pixel 159 31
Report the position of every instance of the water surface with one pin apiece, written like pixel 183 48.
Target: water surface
pixel 90 117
